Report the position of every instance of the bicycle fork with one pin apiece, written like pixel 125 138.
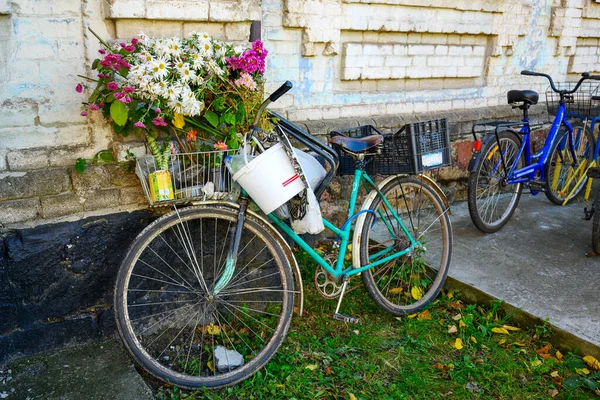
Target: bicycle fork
pixel 235 237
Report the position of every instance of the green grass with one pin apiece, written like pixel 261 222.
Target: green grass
pixel 414 358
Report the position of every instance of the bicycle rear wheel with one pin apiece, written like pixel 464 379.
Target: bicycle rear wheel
pixel 565 176
pixel 169 316
pixel 492 201
pixel 407 283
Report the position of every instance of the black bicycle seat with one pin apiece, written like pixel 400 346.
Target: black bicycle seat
pixel 526 96
pixel 357 145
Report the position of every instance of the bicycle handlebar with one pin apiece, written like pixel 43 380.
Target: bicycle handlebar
pixel 283 89
pixel 584 76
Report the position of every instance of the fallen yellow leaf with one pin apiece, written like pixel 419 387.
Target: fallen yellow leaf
pixel 592 362
pixel 457 317
pixel 472 338
pixel 351 397
pixel 312 367
pixel 500 330
pixel 559 355
pixel 396 290
pixel 178 121
pixel 452 329
pixel 502 341
pixel 417 293
pixel 519 344
pixel 536 363
pixel 582 371
pixel 458 344
pixel 411 316
pixel 424 315
pixel 210 366
pixel 279 385
pixel 552 393
pixel 450 294
pixel 213 329
pixel 511 328
pixel 462 324
pixel 554 374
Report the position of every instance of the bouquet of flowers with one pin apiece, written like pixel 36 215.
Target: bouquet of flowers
pixel 201 92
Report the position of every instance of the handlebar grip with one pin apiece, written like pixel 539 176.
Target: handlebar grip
pixel 525 72
pixel 283 89
pixel 594 77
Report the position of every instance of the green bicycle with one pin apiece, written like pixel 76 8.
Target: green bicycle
pixel 205 295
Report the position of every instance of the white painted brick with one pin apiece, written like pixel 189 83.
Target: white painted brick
pixel 460 50
pixel 18 114
pixel 239 31
pixel 331 113
pixel 478 50
pixel 126 9
pixel 377 73
pixel 226 11
pixel 371 49
pixel 353 49
pixel 376 61
pixel 398 72
pixel 400 50
pixel 415 72
pixel 421 49
pixel 214 29
pixel 355 61
pixel 441 50
pixel 420 61
pixel 36 51
pixel 70 50
pixel 196 10
pixel 395 61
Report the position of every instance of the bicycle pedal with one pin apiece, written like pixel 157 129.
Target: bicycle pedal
pixel 345 318
pixel 537 186
pixel 588 214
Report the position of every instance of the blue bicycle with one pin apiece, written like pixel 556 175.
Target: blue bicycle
pixel 503 162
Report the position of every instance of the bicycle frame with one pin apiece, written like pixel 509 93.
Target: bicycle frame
pixel 529 172
pixel 344 233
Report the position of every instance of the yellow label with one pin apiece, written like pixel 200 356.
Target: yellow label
pixel 161 186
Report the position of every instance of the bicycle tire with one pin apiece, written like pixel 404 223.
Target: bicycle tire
pixel 419 275
pixel 486 187
pixel 171 268
pixel 596 225
pixel 560 182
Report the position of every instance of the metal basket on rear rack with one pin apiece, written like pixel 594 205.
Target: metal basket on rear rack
pixel 584 103
pixel 190 177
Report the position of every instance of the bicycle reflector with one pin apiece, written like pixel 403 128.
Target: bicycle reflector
pixel 477 145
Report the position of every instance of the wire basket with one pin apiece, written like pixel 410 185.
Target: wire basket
pixel 582 104
pixel 195 176
pixel 415 148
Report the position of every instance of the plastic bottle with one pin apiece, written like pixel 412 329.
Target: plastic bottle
pixel 236 162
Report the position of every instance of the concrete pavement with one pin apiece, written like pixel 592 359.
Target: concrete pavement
pixel 537 263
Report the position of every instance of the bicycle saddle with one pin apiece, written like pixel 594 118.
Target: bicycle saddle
pixel 526 96
pixel 357 145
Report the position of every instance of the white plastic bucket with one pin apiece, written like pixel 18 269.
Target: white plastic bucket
pixel 270 179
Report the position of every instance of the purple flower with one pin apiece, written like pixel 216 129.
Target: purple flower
pixel 251 60
pixel 79 88
pixel 139 124
pixel 93 107
pixel 128 89
pixel 159 121
pixel 83 114
pixel 112 85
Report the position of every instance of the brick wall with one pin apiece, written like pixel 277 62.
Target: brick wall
pixel 349 60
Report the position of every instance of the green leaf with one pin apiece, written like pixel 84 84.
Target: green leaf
pixel 95 63
pixel 592 385
pixel 110 98
pixel 123 72
pixel 574 362
pixel 118 112
pixel 233 144
pixel 572 382
pixel 212 118
pixel 229 118
pixel 105 156
pixel 240 115
pixel 80 165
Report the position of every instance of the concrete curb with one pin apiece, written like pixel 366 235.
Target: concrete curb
pixel 560 338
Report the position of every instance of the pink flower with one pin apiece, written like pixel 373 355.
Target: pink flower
pixel 119 95
pixel 125 100
pixel 159 121
pixel 122 44
pixel 157 110
pixel 83 114
pixel 220 146
pixel 134 41
pixel 112 85
pixel 139 124
pixel 79 88
pixel 128 89
pixel 246 80
pixel 93 107
pixel 130 49
pixel 101 105
pixel 102 51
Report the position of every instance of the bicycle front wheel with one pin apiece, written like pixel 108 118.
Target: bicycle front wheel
pixel 492 200
pixel 565 175
pixel 405 284
pixel 171 318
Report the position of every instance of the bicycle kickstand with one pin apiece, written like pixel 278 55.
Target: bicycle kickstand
pixel 342 317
